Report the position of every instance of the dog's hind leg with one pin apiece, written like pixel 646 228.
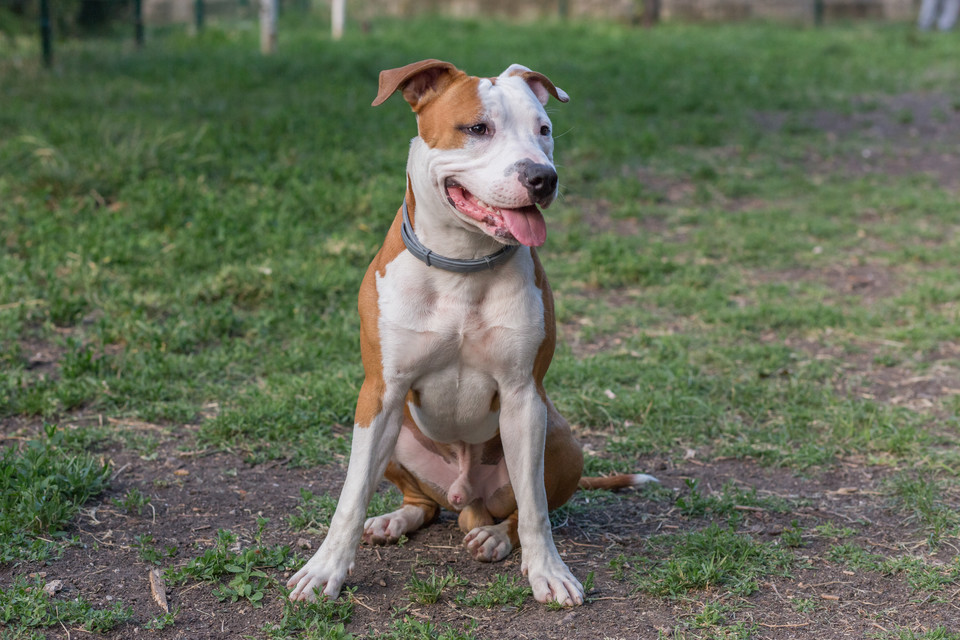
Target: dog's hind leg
pixel 488 542
pixel 417 510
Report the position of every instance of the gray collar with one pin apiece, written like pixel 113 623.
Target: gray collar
pixel 432 259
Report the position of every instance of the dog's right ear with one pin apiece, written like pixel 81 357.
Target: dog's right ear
pixel 416 80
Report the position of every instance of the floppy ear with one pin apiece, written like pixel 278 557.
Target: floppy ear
pixel 539 83
pixel 416 80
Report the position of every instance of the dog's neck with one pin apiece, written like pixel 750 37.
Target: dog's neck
pixel 435 225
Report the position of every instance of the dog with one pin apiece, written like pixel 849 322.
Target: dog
pixel 457 331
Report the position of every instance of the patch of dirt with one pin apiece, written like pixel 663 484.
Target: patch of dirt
pixel 595 213
pixel 868 282
pixel 192 496
pixel 925 382
pixel 909 134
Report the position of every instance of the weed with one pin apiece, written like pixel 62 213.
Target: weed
pixel 133 502
pixel 792 537
pixel 937 633
pixel 42 485
pixel 144 544
pixel 245 569
pixel 725 503
pixel 803 605
pixel 407 628
pixel 619 564
pixel 25 605
pixel 711 557
pixel 162 621
pixel 313 513
pixel 920 575
pixel 427 590
pixel 829 530
pixel 712 614
pixel 319 620
pixel 921 497
pixel 502 591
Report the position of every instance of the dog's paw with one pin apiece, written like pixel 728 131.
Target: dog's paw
pixel 488 544
pixel 389 527
pixel 554 582
pixel 320 576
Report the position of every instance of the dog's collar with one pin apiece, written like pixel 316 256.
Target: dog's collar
pixel 432 259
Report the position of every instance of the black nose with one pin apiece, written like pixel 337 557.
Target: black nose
pixel 540 180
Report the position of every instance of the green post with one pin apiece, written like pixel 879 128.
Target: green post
pixel 138 22
pixel 564 9
pixel 198 10
pixel 46 33
pixel 818 12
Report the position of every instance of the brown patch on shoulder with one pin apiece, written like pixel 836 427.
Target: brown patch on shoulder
pixel 370 400
pixel 545 353
pixel 442 115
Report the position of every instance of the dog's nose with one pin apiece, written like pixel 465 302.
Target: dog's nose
pixel 540 181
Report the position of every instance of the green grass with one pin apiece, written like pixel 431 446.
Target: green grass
pixel 42 485
pixel 24 605
pixel 502 591
pixel 920 575
pixel 214 251
pixel 185 229
pixel 244 571
pixel 319 620
pixel 713 557
pixel 428 589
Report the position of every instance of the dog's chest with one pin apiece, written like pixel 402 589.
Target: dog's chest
pixel 456 342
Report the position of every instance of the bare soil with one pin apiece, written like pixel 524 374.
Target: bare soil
pixel 194 495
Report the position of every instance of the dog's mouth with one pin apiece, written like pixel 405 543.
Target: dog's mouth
pixel 524 225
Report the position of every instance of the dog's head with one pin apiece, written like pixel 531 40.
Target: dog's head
pixel 490 143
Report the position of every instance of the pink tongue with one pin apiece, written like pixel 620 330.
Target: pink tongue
pixel 526 225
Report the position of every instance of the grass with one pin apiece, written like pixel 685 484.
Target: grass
pixel 712 557
pixel 25 605
pixel 183 244
pixel 245 568
pixel 428 589
pixel 204 263
pixel 502 591
pixel 42 486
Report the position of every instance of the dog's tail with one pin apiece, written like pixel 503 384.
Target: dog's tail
pixel 619 481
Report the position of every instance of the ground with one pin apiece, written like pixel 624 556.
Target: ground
pixel 842 538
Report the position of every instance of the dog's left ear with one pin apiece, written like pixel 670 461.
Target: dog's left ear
pixel 541 85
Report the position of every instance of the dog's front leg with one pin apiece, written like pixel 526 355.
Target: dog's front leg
pixel 370 451
pixel 523 426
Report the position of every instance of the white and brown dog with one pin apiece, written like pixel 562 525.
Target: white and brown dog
pixel 456 338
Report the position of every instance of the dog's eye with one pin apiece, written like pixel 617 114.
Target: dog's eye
pixel 544 130
pixel 479 129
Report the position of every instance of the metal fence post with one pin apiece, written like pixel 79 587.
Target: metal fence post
pixel 46 33
pixel 198 9
pixel 818 12
pixel 138 22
